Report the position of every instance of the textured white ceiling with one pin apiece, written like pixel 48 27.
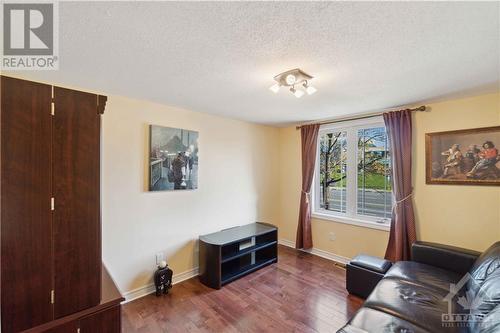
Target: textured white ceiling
pixel 220 57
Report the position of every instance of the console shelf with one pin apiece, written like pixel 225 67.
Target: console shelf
pixel 247 250
pixel 232 253
pixel 231 276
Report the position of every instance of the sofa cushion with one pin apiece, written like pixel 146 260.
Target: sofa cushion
pixel 420 305
pixel 371 263
pixel 487 263
pixel 423 274
pixel 487 297
pixel 370 320
pixel 490 323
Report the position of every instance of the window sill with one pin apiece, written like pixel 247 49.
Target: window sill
pixel 353 221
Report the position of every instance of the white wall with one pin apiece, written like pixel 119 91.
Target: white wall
pixel 237 164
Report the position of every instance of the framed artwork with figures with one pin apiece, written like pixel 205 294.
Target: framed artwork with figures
pixel 465 157
pixel 173 159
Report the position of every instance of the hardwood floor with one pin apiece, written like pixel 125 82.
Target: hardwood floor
pixel 301 293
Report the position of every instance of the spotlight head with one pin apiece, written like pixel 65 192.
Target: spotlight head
pixel 275 88
pixel 290 79
pixel 309 89
pixel 297 93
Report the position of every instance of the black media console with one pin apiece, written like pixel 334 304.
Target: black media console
pixel 231 253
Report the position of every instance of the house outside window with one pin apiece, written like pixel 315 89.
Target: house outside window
pixel 352 182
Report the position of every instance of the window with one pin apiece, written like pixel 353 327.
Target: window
pixel 352 180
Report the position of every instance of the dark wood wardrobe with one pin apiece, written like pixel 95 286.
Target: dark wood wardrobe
pixel 52 279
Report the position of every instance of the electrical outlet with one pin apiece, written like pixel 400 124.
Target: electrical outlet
pixel 331 236
pixel 159 257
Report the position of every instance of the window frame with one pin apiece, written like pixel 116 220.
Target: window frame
pixel 350 216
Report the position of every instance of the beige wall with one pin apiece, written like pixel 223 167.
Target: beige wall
pixel 349 239
pixel 467 216
pixel 237 185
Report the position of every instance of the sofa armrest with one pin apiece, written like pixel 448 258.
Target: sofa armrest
pixel 448 257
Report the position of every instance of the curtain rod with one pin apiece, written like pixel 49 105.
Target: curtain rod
pixel 420 108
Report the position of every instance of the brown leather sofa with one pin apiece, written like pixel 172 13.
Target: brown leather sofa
pixel 443 289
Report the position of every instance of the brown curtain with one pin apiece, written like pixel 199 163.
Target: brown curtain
pixel 309 138
pixel 402 234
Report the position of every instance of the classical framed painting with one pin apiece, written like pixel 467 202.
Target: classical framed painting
pixel 465 157
pixel 173 159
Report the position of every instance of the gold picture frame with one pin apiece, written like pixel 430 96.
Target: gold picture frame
pixel 463 157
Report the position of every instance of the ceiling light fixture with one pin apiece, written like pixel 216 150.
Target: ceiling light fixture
pixel 294 78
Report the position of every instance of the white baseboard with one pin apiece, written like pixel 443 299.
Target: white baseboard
pixel 185 275
pixel 150 288
pixel 138 293
pixel 286 242
pixel 320 253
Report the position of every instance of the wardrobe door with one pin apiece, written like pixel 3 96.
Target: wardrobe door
pixel 77 230
pixel 26 258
